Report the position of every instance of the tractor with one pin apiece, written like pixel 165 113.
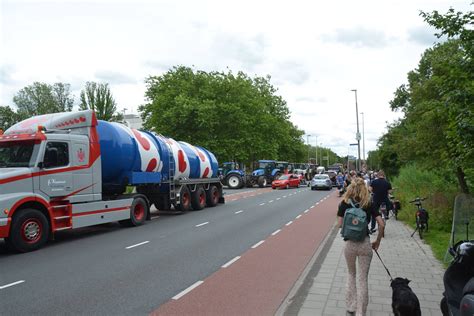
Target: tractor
pixel 231 175
pixel 266 172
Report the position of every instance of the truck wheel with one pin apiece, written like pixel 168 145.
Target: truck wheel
pixel 212 196
pixel 198 199
pixel 234 181
pixel 185 199
pixel 262 181
pixel 29 230
pixel 138 213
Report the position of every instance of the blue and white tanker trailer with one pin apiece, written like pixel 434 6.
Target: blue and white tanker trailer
pixel 68 170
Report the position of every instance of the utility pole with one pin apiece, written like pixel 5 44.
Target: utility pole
pixel 358 133
pixel 307 141
pixel 316 149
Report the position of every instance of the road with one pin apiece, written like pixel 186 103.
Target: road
pixel 107 269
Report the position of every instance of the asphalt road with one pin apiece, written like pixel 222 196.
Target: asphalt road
pixel 107 269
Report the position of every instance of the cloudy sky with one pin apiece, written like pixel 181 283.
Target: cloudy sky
pixel 315 51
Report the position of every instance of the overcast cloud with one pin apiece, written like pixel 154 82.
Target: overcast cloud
pixel 314 51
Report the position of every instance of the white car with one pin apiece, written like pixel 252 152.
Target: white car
pixel 321 181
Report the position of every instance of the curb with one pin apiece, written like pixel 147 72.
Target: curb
pixel 297 294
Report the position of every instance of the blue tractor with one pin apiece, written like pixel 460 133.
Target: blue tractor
pixel 266 172
pixel 231 175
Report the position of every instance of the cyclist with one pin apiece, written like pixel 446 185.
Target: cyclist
pixel 380 188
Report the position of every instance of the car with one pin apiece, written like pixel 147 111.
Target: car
pixel 286 181
pixel 332 175
pixel 321 181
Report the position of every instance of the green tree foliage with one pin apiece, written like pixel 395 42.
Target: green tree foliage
pixel 42 98
pixel 236 117
pixel 437 130
pixel 8 117
pixel 98 97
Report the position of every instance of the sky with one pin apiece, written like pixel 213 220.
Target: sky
pixel 316 52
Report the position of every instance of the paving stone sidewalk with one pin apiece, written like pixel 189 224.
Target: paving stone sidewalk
pixel 404 256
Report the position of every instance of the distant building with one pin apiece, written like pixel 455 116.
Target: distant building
pixel 133 121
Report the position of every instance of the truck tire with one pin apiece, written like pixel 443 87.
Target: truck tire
pixel 138 213
pixel 234 181
pixel 185 199
pixel 198 199
pixel 212 196
pixel 262 182
pixel 29 231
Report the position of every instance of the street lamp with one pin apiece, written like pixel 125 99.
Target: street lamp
pixel 307 141
pixel 363 137
pixel 358 133
pixel 321 151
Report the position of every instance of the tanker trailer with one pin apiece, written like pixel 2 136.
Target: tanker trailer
pixel 166 171
pixel 68 170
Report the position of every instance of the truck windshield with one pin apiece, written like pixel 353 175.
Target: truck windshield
pixel 262 165
pixel 16 154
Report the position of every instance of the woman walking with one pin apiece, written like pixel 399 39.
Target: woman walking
pixel 357 296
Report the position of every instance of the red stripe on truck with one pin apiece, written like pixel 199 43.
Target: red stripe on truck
pixel 107 210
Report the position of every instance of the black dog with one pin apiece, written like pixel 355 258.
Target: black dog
pixel 404 301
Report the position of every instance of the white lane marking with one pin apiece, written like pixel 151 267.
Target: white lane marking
pixel 284 196
pixel 271 201
pixel 312 206
pixel 189 289
pixel 202 224
pixel 238 212
pixel 258 244
pixel 276 232
pixel 231 262
pixel 11 284
pixel 278 199
pixel 306 211
pixel 298 216
pixel 289 223
pixel 136 245
pixel 261 204
pixel 317 203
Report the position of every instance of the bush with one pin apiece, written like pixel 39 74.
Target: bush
pixel 439 189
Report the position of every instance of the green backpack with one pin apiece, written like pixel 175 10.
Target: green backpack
pixel 354 224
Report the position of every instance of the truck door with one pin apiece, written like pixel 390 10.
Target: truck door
pixel 55 180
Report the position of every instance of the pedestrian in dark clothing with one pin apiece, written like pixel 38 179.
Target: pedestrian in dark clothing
pixel 380 189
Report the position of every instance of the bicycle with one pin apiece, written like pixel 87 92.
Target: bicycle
pixel 421 217
pixel 395 206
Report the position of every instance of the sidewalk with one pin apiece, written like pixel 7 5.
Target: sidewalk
pixel 404 256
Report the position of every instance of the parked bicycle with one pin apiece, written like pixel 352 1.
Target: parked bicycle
pixel 421 217
pixel 396 206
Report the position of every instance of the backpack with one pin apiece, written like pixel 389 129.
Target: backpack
pixel 354 224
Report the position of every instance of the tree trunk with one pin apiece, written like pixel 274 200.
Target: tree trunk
pixel 462 180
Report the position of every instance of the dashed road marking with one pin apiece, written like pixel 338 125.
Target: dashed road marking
pixel 238 212
pixel 11 284
pixel 278 199
pixel 189 289
pixel 306 211
pixel 202 224
pixel 261 204
pixel 231 262
pixel 284 196
pixel 312 206
pixel 298 216
pixel 289 223
pixel 276 232
pixel 271 201
pixel 258 244
pixel 136 245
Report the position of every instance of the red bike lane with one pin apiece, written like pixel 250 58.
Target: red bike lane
pixel 259 281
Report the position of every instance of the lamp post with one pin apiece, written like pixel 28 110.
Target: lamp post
pixel 363 137
pixel 358 133
pixel 348 155
pixel 307 141
pixel 321 152
pixel 316 147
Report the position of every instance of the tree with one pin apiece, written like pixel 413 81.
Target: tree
pixel 98 97
pixel 42 98
pixel 237 117
pixel 8 117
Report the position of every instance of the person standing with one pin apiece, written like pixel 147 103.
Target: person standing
pixel 380 188
pixel 357 295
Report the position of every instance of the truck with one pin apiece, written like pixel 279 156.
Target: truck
pixel 231 175
pixel 69 170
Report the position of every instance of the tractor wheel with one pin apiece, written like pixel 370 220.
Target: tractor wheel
pixel 234 181
pixel 262 182
pixel 212 196
pixel 198 199
pixel 29 230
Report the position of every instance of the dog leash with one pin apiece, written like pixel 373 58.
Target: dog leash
pixel 391 279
